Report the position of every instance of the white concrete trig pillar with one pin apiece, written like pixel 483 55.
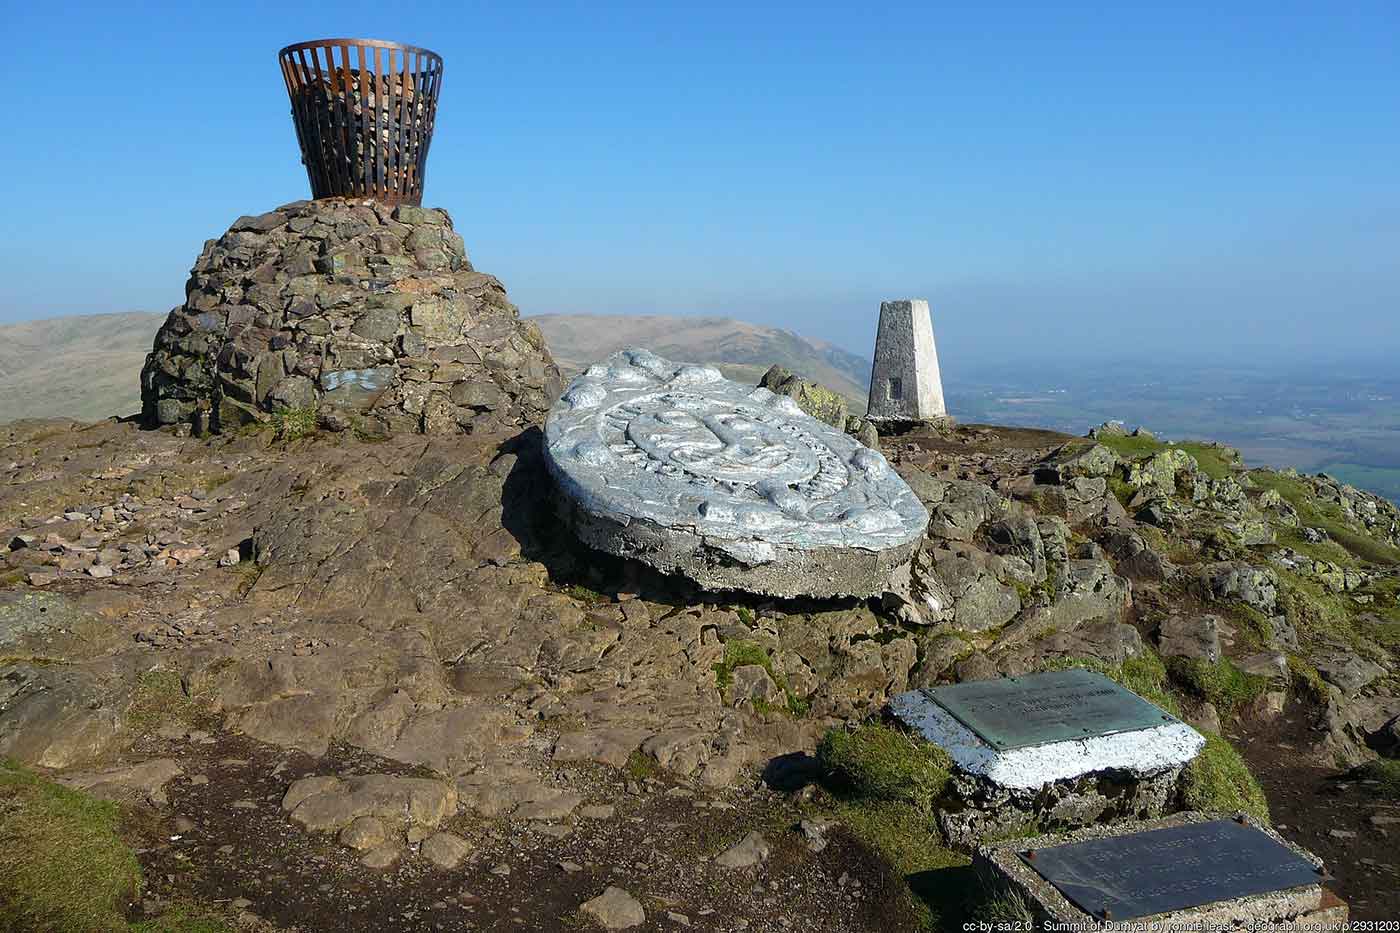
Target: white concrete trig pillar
pixel 905 384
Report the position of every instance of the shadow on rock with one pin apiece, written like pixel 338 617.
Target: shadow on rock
pixel 792 772
pixel 529 512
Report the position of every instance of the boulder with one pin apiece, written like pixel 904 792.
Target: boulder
pixel 1190 636
pixel 1160 471
pixel 1092 592
pixel 55 717
pixel 1341 666
pixel 1018 535
pixel 1386 739
pixel 812 397
pixel 1077 459
pixel 445 850
pixel 1109 429
pixel 979 601
pixel 614 909
pixel 746 853
pixel 1135 559
pixel 1235 580
pixel 964 507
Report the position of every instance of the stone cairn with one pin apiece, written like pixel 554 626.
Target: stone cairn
pixel 370 316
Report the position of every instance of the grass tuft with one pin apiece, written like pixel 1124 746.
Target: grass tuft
pixel 738 653
pixel 291 424
pixel 1314 610
pixel 159 699
pixel 1306 681
pixel 906 838
pixel 1209 458
pixel 188 918
pixel 639 766
pixel 1385 772
pixel 1221 683
pixel 62 866
pixel 1219 781
pixel 1315 513
pixel 1132 448
pixel 877 762
pixel 1004 909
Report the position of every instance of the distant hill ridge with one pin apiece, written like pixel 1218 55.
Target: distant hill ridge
pixel 85 366
pixel 88 366
pixel 741 349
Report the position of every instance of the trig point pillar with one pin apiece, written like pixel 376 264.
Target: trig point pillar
pixel 905 384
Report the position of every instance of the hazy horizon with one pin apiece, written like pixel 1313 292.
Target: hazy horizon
pixel 1190 183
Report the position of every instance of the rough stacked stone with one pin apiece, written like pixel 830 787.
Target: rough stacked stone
pixel 370 315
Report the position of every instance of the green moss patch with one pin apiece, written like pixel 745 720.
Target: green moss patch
pixel 940 879
pixel 160 699
pixel 290 424
pixel 190 918
pixel 1221 683
pixel 62 866
pixel 878 762
pixel 585 595
pixel 1214 461
pixel 1386 774
pixel 1131 448
pixel 1219 781
pixel 739 653
pixel 639 767
pixel 1314 610
pixel 1315 513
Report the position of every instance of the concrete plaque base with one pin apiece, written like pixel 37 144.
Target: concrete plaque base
pixel 1009 866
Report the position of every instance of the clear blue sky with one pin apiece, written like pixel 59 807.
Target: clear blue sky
pixel 1207 178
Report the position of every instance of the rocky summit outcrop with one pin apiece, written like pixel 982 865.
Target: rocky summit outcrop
pixel 369 316
pixel 341 671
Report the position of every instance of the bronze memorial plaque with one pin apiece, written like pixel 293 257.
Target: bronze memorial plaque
pixel 1162 870
pixel 1016 712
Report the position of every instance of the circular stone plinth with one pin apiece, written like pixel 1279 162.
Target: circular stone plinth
pixel 729 485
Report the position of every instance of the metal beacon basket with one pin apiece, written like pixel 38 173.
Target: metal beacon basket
pixel 364 113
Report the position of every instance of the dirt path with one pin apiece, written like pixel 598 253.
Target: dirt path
pixel 1346 823
pixel 658 844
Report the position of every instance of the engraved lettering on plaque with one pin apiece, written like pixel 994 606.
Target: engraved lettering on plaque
pixel 1144 874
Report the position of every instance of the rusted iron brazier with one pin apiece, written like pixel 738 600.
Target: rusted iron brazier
pixel 364 113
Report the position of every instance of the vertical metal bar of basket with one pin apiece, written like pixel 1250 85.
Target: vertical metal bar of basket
pixel 420 63
pixel 430 124
pixel 345 137
pixel 405 133
pixel 325 89
pixel 377 189
pixel 387 133
pixel 311 116
pixel 420 151
pixel 366 164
